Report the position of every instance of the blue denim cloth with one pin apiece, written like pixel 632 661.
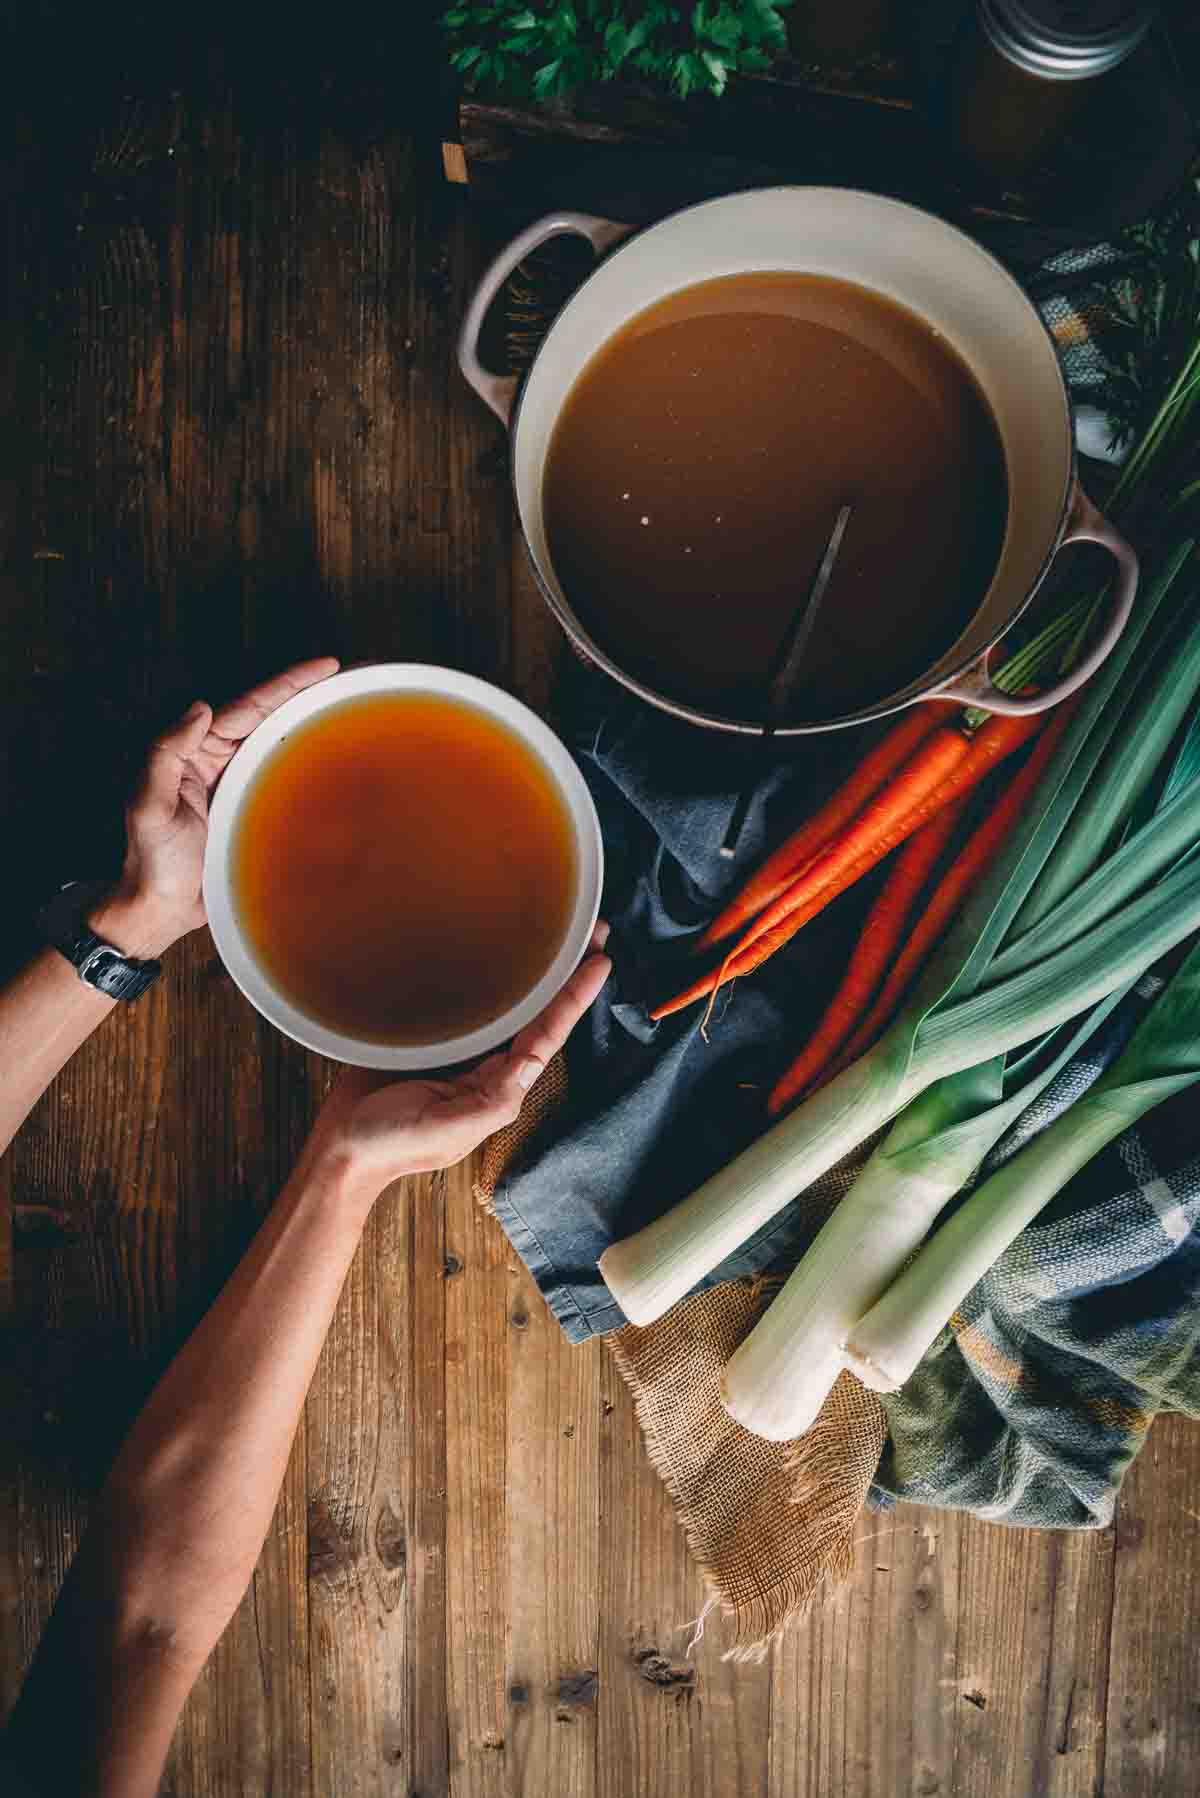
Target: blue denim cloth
pixel 654 1109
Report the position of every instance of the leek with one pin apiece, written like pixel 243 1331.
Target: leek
pixel 1147 853
pixel 952 1021
pixel 1162 1058
pixel 778 1379
pixel 1109 801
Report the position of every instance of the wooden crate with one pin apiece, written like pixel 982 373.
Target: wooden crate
pixel 635 153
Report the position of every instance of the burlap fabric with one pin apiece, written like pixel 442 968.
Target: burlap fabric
pixel 768 1523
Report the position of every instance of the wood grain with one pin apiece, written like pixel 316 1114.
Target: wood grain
pixel 1032 1660
pixel 358 1513
pixel 431 1266
pixel 552 1506
pixel 1153 1738
pixel 11 1657
pixel 17 448
pixel 670 1721
pixel 863 1700
pixel 479 1315
pixel 231 433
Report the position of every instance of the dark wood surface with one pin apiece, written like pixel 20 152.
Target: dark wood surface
pixel 232 434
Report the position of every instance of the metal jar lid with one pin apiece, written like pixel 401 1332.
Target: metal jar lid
pixel 1066 40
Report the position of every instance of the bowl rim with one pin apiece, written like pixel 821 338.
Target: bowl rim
pixel 229 936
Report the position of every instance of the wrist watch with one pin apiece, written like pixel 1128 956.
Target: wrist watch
pixel 64 926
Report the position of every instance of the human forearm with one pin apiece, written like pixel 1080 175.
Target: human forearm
pixel 182 1517
pixel 202 1466
pixel 46 1012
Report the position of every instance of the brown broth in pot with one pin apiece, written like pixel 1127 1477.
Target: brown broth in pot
pixel 697 466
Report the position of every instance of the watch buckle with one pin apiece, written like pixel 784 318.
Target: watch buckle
pixel 91 960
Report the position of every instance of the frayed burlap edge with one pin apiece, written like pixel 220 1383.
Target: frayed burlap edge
pixel 770 1524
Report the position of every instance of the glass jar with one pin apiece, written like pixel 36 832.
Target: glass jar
pixel 1023 69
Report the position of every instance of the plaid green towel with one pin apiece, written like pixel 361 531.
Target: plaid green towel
pixel 1032 1405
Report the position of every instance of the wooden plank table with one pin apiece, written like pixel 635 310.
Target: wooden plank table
pixel 232 436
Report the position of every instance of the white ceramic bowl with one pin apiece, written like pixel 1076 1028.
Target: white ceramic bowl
pixel 237 953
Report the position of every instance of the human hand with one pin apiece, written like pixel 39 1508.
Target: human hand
pixel 379 1126
pixel 157 898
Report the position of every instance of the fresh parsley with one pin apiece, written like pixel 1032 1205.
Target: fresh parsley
pixel 536 52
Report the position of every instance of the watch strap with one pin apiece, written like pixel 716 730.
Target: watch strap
pixel 98 964
pixel 117 976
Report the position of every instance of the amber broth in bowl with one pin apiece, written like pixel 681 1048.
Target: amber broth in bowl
pixel 404 868
pixel 701 457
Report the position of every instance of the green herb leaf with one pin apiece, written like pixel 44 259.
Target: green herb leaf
pixel 519 48
pixel 724 28
pixel 764 17
pixel 546 79
pixel 717 70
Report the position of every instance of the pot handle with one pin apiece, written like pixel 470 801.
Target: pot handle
pixel 499 391
pixel 1085 525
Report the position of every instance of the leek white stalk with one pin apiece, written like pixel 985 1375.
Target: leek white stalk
pixel 779 1377
pixel 1161 1058
pixel 648 1272
pixel 938 1032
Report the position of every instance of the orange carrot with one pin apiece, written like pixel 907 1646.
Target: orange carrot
pixel 964 874
pixel 876 944
pixel 890 817
pixel 742 960
pixel 824 879
pixel 945 768
pixel 797 851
